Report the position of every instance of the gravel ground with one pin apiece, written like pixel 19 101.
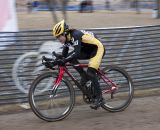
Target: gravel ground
pixel 142 114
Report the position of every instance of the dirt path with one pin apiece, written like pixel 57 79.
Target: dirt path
pixel 142 114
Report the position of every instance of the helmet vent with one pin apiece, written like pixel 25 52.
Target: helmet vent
pixel 58 29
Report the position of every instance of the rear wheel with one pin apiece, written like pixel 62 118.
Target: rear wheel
pixel 120 98
pixel 48 103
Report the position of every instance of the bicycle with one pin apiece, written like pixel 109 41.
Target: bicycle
pixel 52 94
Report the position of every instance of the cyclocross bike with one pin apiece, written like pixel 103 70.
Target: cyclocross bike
pixel 52 94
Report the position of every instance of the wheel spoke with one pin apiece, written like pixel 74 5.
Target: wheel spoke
pixel 118 93
pixel 49 104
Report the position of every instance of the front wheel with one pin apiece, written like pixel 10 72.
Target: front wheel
pixel 48 103
pixel 120 98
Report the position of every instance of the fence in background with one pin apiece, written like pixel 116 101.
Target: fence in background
pixel 136 49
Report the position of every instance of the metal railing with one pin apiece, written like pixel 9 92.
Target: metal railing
pixel 136 49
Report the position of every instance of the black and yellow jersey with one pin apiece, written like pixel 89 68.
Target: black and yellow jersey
pixel 86 46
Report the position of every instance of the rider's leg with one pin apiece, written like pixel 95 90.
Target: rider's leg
pixel 83 74
pixel 92 74
pixel 94 64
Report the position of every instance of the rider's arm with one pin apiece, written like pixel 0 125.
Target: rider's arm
pixel 76 43
pixel 65 51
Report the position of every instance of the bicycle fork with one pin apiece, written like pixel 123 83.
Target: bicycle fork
pixel 58 80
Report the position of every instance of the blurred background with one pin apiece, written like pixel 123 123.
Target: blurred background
pixel 43 14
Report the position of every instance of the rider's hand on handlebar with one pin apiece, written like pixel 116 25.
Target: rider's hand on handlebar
pixel 48 64
pixel 60 62
pixel 46 59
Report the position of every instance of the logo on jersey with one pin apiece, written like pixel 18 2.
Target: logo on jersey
pixel 87 32
pixel 75 43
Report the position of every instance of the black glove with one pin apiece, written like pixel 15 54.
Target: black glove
pixel 61 62
pixel 48 64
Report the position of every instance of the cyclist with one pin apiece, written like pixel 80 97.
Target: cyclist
pixel 86 46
